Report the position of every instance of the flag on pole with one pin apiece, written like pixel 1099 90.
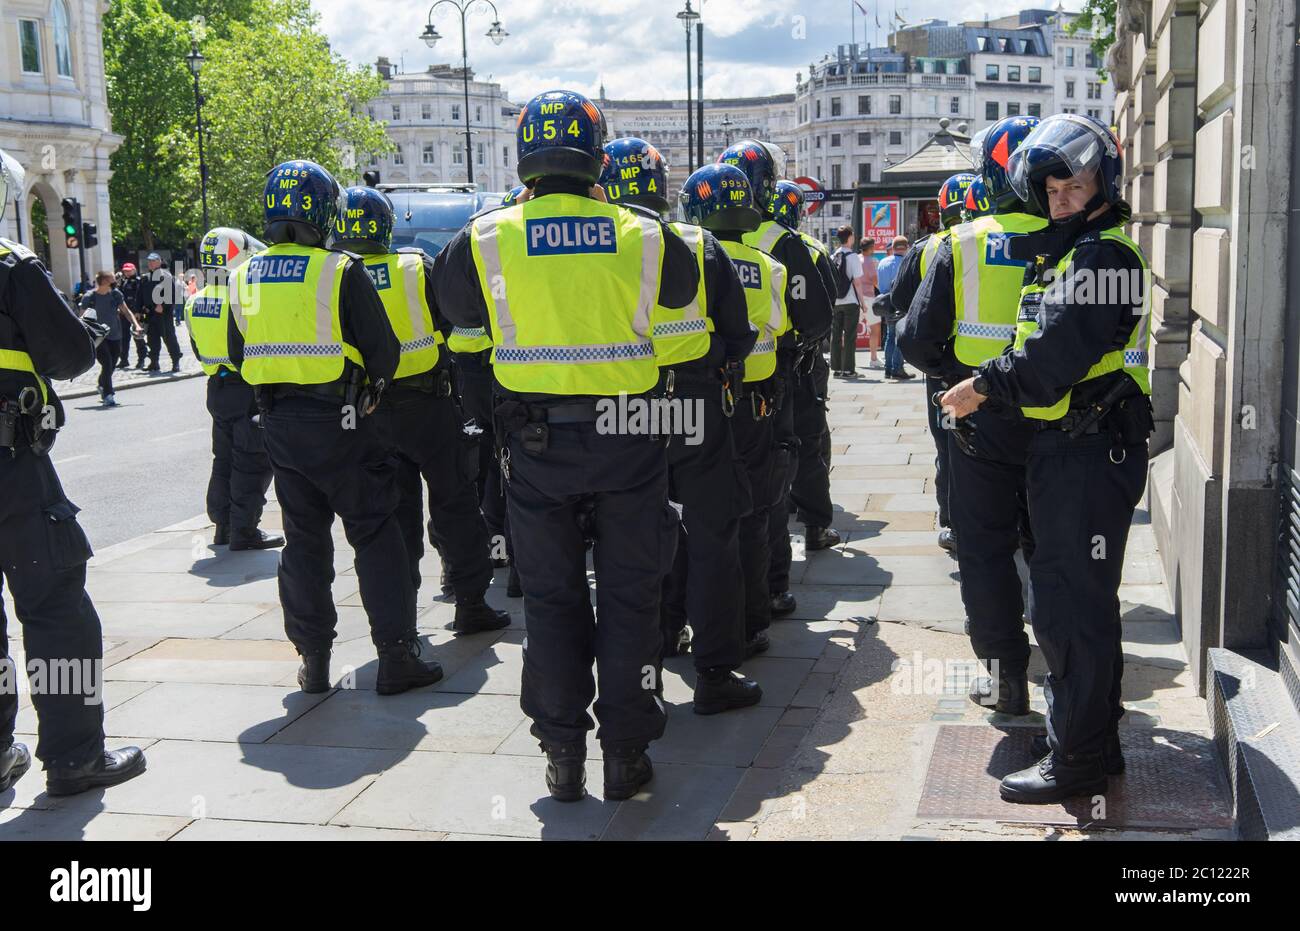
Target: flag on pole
pixel 860 7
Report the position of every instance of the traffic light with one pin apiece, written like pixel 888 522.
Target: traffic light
pixel 89 234
pixel 71 222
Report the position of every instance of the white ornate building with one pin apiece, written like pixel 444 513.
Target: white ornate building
pixel 424 113
pixel 54 120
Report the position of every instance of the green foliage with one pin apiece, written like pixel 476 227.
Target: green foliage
pixel 272 88
pixel 1099 17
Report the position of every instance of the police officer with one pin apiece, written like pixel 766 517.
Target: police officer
pixel 952 200
pixel 810 483
pixel 241 471
pixel 719 198
pixel 420 416
pixel 308 329
pixel 809 306
pixel 700 349
pixel 43 551
pixel 963 315
pixel 1078 372
pixel 567 285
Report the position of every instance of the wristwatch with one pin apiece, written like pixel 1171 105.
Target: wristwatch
pixel 980 385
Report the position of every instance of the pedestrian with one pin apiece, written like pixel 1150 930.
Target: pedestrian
pixel 563 276
pixel 159 299
pixel 868 291
pixel 700 350
pixel 420 418
pixel 106 305
pixel 308 331
pixel 848 305
pixel 43 551
pixel 886 271
pixel 1078 370
pixel 241 470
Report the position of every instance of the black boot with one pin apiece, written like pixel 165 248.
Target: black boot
pixel 401 669
pixel 314 673
pixel 724 690
pixel 783 604
pixel 820 538
pixel 948 540
pixel 566 772
pixel 221 536
pixel 1112 755
pixel 108 769
pixel 14 761
pixel 513 588
pixel 254 539
pixel 474 617
pixel 1050 780
pixel 757 643
pixel 1012 694
pixel 626 771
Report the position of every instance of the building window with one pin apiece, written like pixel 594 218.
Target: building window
pixel 864 172
pixel 1091 58
pixel 455 111
pixel 505 155
pixel 836 176
pixel 29 43
pixel 397 155
pixel 480 152
pixel 864 139
pixel 1095 114
pixel 1035 75
pixel 1013 108
pixel 835 209
pixel 1013 72
pixel 1069 58
pixel 1036 109
pixel 62 40
pixel 990 110
pixel 1069 89
pixel 895 103
pixel 954 105
pixel 426 153
pixel 835 140
pixel 895 138
pixel 426 111
pixel 817 109
pixel 864 104
pixel 817 142
pixel 1070 110
pixel 837 106
pixel 397 112
pixel 458 156
pixel 991 72
pixel 478 113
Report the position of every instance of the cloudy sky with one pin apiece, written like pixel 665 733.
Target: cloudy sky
pixel 636 47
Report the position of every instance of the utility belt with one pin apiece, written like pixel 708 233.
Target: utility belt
pixel 533 423
pixel 224 376
pixel 436 381
pixel 21 424
pixel 764 397
pixel 1128 422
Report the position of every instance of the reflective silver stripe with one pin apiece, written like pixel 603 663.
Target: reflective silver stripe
pixel 420 342
pixel 681 327
pixel 1002 331
pixel 968 243
pixel 763 346
pixel 485 234
pixel 325 299
pixel 1134 357
pixel 259 350
pixel 767 242
pixel 576 355
pixel 778 292
pixel 215 360
pixel 469 332
pixel 652 237
pixel 411 266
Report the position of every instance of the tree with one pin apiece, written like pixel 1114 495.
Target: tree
pixel 1099 17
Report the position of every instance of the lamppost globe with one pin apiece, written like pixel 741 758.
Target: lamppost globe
pixel 688 17
pixel 430 36
pixel 194 59
pixel 496 33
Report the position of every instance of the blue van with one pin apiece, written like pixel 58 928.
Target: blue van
pixel 427 216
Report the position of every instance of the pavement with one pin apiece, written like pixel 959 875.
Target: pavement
pixel 847 743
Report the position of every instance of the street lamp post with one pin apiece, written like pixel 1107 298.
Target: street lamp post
pixel 195 61
pixel 430 36
pixel 726 124
pixel 689 18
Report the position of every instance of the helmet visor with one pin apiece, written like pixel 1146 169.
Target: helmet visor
pixel 977 147
pixel 1064 146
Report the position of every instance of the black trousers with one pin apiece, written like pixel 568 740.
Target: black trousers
pixel 987 506
pixel 709 483
pixel 43 553
pixel 626 479
pixel 756 448
pixel 325 466
pixel 241 470
pixel 844 336
pixel 935 415
pixel 161 328
pixel 474 386
pixel 1081 505
pixel 811 491
pixel 431 448
pixel 106 354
